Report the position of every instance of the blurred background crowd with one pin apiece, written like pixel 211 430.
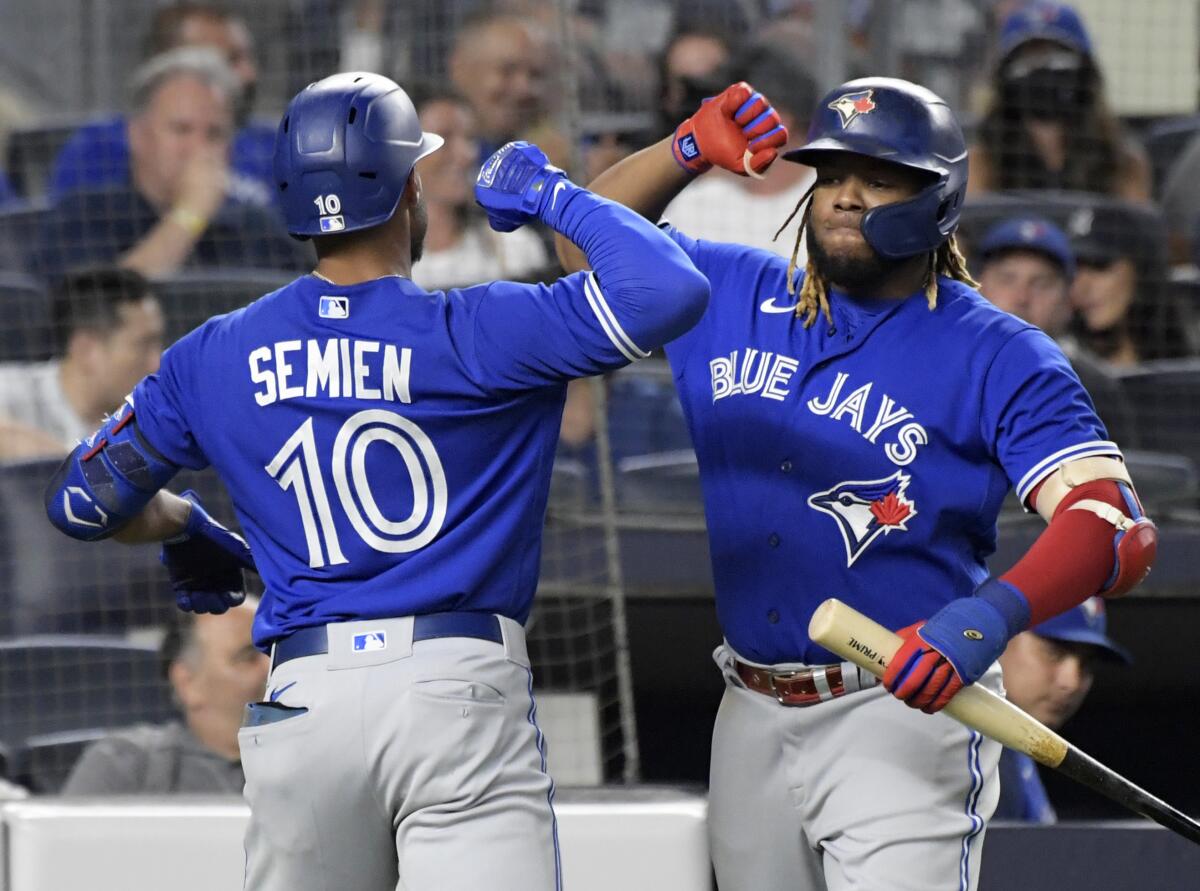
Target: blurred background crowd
pixel 137 199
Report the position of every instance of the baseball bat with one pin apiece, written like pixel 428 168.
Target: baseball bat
pixel 856 638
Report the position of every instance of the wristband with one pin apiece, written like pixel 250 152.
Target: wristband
pixel 188 220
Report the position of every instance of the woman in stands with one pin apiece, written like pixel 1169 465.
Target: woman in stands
pixel 1047 125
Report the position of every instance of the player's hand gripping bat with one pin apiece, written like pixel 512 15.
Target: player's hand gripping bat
pixel 856 638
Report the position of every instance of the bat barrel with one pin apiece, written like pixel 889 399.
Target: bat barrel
pixel 1085 769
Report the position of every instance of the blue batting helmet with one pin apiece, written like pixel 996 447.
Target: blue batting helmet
pixel 344 151
pixel 897 121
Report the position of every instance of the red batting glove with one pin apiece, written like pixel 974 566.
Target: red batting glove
pixel 919 676
pixel 737 130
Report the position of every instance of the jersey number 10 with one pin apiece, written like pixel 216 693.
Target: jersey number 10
pixel 296 467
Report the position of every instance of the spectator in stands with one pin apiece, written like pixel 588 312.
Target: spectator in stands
pixel 1048 125
pixel 762 204
pixel 1027 267
pixel 696 63
pixel 1125 313
pixel 460 248
pixel 1048 672
pixel 500 64
pixel 177 208
pixel 109 328
pixel 98 154
pixel 214 670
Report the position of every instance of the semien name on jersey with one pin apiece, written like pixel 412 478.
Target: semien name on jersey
pixel 337 368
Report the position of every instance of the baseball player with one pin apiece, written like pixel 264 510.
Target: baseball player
pixel 388 450
pixel 858 425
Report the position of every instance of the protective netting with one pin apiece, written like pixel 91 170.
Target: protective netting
pixel 119 149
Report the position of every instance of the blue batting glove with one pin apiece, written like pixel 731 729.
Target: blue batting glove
pixel 205 563
pixel 956 646
pixel 518 184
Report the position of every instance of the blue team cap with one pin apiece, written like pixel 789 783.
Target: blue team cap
pixel 1041 20
pixel 1085 624
pixel 1030 234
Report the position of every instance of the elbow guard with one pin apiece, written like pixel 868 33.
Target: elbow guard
pixel 107 480
pixel 1135 541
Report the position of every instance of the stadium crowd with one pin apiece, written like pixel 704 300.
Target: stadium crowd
pixel 137 223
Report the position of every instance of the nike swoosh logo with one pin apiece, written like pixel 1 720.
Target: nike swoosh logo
pixel 554 198
pixel 769 306
pixel 275 694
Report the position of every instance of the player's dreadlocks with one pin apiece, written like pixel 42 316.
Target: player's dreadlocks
pixel 947 260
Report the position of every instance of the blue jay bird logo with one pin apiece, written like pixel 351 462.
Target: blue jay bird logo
pixel 851 105
pixel 866 509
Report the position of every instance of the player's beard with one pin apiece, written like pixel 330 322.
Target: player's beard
pixel 856 274
pixel 418 224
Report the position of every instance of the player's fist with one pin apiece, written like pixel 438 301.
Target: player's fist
pixel 737 130
pixel 518 184
pixel 205 563
pixel 955 646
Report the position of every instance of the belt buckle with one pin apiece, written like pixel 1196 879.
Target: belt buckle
pixel 772 676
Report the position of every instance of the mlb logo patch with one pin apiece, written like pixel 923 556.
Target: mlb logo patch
pixel 334 308
pixel 370 641
pixel 687 147
pixel 333 224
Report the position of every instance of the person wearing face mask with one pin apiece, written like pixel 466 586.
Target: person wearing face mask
pixel 1048 125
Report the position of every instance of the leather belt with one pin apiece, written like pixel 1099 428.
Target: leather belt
pixel 314 641
pixel 808 686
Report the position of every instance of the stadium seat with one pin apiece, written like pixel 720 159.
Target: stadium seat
pixel 24 319
pixel 32 152
pixel 61 691
pixel 1165 142
pixel 1163 480
pixel 1165 398
pixel 659 482
pixel 19 229
pixel 46 761
pixel 192 297
pixel 49 582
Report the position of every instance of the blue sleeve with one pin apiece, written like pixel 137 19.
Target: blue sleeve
pixel 168 409
pixel 642 292
pixel 735 273
pixel 1036 413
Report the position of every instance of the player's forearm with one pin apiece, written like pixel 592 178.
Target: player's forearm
pixel 166 247
pixel 645 182
pixel 164 517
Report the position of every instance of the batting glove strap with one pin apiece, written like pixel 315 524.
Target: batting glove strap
pixel 972 632
pixel 737 130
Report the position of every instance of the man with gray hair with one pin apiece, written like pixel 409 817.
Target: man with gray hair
pixel 178 208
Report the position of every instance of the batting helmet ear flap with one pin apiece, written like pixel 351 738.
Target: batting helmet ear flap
pixel 900 122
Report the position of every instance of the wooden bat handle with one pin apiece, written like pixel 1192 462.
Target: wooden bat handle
pixel 843 630
pixel 856 638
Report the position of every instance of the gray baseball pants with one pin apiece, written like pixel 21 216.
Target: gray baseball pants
pixel 416 767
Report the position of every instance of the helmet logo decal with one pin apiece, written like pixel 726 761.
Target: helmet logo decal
pixel 864 510
pixel 851 105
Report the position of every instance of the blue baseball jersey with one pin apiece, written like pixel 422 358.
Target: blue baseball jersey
pixel 865 459
pixel 388 450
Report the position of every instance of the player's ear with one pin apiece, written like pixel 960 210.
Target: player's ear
pixel 412 190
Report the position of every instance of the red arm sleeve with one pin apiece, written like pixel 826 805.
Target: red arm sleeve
pixel 1073 558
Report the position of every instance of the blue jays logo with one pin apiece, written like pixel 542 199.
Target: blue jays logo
pixel 866 510
pixel 851 105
